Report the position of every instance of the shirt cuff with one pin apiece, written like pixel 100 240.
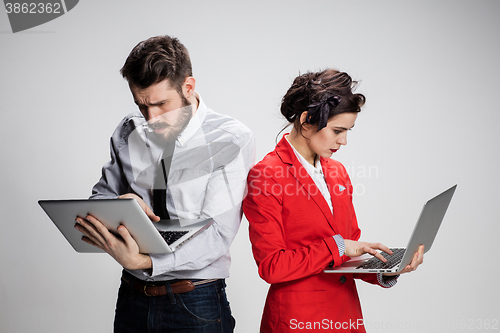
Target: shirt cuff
pixel 162 263
pixel 387 281
pixel 340 244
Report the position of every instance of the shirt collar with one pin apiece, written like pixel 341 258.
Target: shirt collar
pixel 194 123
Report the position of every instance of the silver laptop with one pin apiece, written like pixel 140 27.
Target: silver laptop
pixel 423 234
pixel 152 237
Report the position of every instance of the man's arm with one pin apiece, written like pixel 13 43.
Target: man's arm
pixel 113 181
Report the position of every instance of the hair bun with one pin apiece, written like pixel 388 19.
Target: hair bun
pixel 323 95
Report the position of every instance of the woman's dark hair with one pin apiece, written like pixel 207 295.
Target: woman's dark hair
pixel 156 59
pixel 323 95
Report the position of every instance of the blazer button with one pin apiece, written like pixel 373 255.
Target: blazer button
pixel 343 279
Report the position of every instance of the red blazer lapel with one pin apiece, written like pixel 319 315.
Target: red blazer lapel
pixel 297 170
pixel 340 187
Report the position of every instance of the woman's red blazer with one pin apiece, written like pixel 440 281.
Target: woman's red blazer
pixel 291 228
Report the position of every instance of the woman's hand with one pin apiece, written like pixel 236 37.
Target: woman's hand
pixel 418 259
pixel 356 249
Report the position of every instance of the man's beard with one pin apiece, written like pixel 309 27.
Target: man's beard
pixel 171 131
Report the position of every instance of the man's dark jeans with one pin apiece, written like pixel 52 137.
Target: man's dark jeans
pixel 203 310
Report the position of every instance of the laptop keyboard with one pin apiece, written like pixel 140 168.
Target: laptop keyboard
pixel 392 260
pixel 171 236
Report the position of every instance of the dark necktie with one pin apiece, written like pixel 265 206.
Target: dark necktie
pixel 160 187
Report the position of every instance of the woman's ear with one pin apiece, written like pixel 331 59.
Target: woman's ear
pixel 305 126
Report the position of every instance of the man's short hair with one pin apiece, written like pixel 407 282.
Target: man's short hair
pixel 156 59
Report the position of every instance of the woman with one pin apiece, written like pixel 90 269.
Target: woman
pixel 301 216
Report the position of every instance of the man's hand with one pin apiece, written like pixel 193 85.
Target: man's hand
pixel 356 249
pixel 418 259
pixel 123 249
pixel 149 212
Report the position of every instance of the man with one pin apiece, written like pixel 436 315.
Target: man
pixel 179 160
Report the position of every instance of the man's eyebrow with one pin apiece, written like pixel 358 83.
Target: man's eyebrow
pixel 155 103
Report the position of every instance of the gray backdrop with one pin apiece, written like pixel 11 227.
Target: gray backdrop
pixel 429 70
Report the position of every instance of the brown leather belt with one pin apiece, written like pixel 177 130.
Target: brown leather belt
pixel 161 289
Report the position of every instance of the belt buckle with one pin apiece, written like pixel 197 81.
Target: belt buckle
pixel 146 292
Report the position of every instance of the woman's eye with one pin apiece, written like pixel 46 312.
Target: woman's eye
pixel 337 132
